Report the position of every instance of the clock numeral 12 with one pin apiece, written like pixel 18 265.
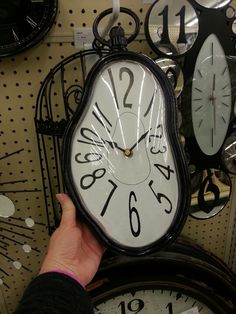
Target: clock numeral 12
pixel 130 85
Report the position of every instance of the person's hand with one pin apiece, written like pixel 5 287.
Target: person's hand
pixel 73 248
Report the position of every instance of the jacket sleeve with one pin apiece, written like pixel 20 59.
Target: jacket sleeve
pixel 54 293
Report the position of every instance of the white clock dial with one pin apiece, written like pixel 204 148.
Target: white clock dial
pixel 211 96
pixel 123 167
pixel 151 301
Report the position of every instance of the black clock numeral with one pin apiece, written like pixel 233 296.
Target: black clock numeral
pixel 134 216
pixel 131 82
pixel 113 88
pixel 109 197
pixel 130 85
pixel 90 157
pixel 208 186
pixel 155 149
pixel 97 174
pixel 135 306
pixel 165 38
pixel 170 308
pixel 158 134
pixel 166 171
pixel 101 118
pixel 150 105
pixel 160 196
pixel 182 36
pixel 89 136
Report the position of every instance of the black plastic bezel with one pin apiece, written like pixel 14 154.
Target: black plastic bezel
pixel 35 36
pixel 168 270
pixel 177 153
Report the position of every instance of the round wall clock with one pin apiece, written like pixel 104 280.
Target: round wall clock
pixel 23 23
pixel 122 160
pixel 168 283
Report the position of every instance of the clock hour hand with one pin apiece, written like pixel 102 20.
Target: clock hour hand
pixel 115 145
pixel 213 98
pixel 140 139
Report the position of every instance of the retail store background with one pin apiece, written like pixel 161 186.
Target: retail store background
pixel 25 233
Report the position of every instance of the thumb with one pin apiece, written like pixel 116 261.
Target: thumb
pixel 68 210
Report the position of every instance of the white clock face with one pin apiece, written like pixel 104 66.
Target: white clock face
pixel 145 301
pixel 211 96
pixel 122 163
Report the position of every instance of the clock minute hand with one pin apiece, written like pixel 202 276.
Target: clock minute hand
pixel 140 139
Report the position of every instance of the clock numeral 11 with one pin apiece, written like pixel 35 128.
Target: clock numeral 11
pixel 165 38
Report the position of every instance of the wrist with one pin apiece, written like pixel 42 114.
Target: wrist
pixel 63 272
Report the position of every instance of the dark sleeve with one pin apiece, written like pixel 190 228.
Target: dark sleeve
pixel 54 293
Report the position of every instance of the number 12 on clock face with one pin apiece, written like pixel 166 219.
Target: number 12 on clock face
pixel 122 161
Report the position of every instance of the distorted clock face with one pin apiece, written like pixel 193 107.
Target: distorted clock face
pixel 23 23
pixel 211 96
pixel 119 162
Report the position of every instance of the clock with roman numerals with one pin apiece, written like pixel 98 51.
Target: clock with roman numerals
pixel 122 160
pixel 23 23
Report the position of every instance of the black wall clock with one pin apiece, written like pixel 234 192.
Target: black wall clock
pixel 23 23
pixel 182 280
pixel 122 160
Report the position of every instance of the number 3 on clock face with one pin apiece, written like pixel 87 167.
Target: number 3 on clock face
pixel 122 161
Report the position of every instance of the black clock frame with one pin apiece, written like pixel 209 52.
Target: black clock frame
pixel 21 42
pixel 173 270
pixel 177 153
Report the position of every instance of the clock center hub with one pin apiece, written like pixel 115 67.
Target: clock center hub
pixel 128 153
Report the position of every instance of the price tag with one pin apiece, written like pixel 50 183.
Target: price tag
pixel 193 310
pixel 83 36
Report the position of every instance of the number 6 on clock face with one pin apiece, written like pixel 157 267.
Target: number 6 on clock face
pixel 122 161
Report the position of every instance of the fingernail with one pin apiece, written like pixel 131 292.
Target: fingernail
pixel 60 197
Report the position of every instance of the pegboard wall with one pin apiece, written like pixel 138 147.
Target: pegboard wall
pixel 23 229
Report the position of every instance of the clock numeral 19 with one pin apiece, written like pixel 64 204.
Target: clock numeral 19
pixel 165 38
pixel 134 216
pixel 134 306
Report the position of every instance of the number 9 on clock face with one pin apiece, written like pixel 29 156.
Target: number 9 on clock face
pixel 122 161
